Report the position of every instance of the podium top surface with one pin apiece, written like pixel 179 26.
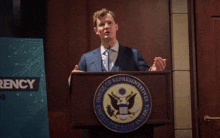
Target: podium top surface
pixel 123 72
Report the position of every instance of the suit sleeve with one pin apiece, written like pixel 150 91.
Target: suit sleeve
pixel 140 62
pixel 82 63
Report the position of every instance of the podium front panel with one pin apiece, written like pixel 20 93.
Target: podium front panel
pixel 84 85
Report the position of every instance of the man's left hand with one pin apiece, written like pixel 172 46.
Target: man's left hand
pixel 159 64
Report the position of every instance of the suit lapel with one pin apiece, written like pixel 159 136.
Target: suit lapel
pixel 122 59
pixel 97 59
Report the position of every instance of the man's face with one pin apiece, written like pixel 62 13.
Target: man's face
pixel 106 27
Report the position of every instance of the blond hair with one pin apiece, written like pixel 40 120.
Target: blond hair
pixel 101 13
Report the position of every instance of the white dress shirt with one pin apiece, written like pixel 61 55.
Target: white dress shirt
pixel 113 54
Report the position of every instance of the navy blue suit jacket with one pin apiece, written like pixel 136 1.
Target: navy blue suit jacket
pixel 128 59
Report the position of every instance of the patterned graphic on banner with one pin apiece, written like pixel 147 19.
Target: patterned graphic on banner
pixel 23 111
pixel 122 103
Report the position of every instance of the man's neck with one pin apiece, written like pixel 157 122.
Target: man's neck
pixel 110 43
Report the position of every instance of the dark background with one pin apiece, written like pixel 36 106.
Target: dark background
pixel 23 18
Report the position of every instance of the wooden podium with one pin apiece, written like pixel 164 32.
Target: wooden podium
pixel 83 87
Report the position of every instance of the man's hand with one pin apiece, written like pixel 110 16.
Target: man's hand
pixel 76 69
pixel 159 64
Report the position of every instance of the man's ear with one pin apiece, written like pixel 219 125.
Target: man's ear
pixel 96 31
pixel 116 27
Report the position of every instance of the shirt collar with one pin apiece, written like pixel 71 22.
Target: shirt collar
pixel 115 48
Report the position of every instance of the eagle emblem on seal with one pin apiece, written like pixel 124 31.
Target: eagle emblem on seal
pixel 122 102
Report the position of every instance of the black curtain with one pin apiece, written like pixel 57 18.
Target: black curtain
pixel 28 22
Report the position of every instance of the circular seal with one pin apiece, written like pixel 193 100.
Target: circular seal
pixel 122 103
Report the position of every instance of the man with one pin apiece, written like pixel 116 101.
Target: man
pixel 112 56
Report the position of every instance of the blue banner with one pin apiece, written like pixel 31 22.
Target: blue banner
pixel 23 96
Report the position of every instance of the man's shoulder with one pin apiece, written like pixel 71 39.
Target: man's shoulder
pixel 126 48
pixel 92 52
